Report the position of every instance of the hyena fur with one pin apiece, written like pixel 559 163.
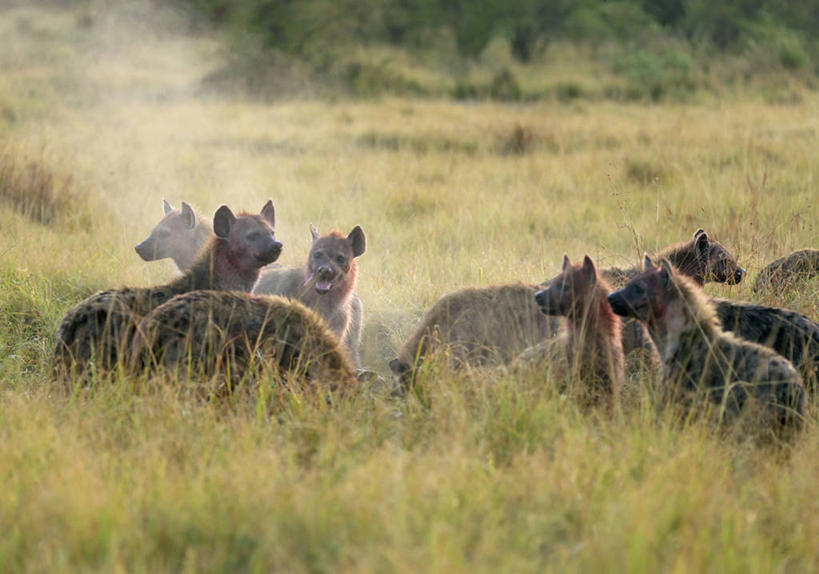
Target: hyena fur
pixel 703 366
pixel 791 334
pixel 477 327
pixel 326 283
pixel 180 234
pixel 786 271
pixel 591 333
pixel 223 333
pixel 99 329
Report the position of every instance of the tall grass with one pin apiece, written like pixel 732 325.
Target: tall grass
pixel 479 473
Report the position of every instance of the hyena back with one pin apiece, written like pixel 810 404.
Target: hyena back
pixel 791 334
pixel 477 327
pixel 180 234
pixel 326 283
pixel 786 271
pixel 592 331
pixel 98 331
pixel 702 363
pixel 230 334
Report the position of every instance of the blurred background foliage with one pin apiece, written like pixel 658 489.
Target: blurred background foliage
pixel 652 49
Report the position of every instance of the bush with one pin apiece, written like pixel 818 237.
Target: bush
pixel 30 187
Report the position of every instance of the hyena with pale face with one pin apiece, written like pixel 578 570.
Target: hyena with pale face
pixel 326 284
pixel 702 364
pixel 229 334
pixel 591 339
pixel 179 235
pixel 788 270
pixel 99 329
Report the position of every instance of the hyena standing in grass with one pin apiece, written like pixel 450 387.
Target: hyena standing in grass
pixel 99 329
pixel 179 235
pixel 232 336
pixel 591 337
pixel 326 283
pixel 703 366
pixel 786 271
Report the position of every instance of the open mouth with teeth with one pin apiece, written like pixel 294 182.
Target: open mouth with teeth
pixel 323 286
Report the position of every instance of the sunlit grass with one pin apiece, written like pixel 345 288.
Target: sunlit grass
pixel 479 473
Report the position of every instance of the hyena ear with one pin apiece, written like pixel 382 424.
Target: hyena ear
pixel 167 207
pixel 189 215
pixel 566 262
pixel 223 220
pixel 647 263
pixel 589 270
pixel 357 240
pixel 314 232
pixel 665 272
pixel 269 213
pixel 701 240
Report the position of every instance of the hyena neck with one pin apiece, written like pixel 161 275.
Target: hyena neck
pixel 685 259
pixel 689 321
pixel 215 268
pixel 594 327
pixel 185 256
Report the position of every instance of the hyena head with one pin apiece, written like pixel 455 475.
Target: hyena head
pixel 179 235
pixel 572 291
pixel 647 296
pixel 331 265
pixel 251 241
pixel 704 260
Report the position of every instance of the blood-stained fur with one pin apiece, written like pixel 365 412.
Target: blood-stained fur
pixel 703 366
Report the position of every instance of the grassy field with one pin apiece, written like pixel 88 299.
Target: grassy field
pixel 103 113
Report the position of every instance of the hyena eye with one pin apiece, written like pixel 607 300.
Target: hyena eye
pixel 340 259
pixel 253 236
pixel 317 255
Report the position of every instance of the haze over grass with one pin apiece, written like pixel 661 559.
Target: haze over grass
pixel 490 474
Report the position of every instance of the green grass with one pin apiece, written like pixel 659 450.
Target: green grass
pixel 486 473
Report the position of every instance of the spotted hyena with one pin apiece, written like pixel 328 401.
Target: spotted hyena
pixel 326 283
pixel 96 331
pixel 703 366
pixel 234 335
pixel 591 338
pixel 180 234
pixel 788 270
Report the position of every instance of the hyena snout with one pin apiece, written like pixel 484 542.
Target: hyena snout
pixel 619 304
pixel 738 275
pixel 325 277
pixel 543 298
pixel 148 250
pixel 270 252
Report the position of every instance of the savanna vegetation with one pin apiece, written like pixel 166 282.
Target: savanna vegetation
pixel 107 107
